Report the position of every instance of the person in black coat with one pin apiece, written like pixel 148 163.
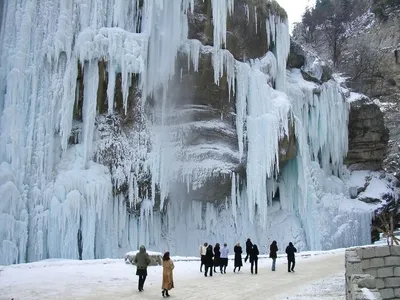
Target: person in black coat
pixel 208 260
pixel 290 250
pixel 217 256
pixel 254 258
pixel 238 257
pixel 249 246
pixel 273 253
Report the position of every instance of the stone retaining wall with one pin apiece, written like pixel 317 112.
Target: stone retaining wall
pixel 373 269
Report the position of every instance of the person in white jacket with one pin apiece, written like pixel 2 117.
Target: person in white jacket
pixel 203 251
pixel 224 258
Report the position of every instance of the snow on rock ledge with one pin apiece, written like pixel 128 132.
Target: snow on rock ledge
pixel 155 258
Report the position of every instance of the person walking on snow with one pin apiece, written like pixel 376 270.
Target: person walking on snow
pixel 167 278
pixel 217 256
pixel 290 250
pixel 254 258
pixel 208 260
pixel 142 261
pixel 273 253
pixel 249 246
pixel 203 250
pixel 224 258
pixel 238 257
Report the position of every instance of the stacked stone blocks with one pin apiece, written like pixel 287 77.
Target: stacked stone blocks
pixel 381 264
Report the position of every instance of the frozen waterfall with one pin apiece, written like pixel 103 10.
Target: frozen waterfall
pixel 59 191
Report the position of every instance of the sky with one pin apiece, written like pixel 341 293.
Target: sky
pixel 295 8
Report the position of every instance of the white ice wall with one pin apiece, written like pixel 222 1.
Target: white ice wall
pixel 50 191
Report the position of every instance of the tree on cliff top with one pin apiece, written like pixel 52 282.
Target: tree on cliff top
pixel 325 24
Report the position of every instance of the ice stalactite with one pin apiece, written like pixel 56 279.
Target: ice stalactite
pixel 220 11
pixel 242 82
pixel 234 197
pixel 324 115
pixel 308 185
pixel 267 122
pixel 278 35
pixel 91 84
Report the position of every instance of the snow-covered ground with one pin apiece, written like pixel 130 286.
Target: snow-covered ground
pixel 319 275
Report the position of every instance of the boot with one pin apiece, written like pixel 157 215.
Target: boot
pixel 166 293
pixel 234 270
pixel 163 293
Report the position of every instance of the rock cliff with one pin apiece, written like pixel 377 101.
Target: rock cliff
pixel 368 136
pixel 366 47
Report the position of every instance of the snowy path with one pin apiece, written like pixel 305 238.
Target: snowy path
pixel 266 285
pixel 317 277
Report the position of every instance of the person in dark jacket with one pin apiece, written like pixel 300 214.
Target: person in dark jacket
pixel 273 253
pixel 217 256
pixel 254 258
pixel 238 257
pixel 290 250
pixel 249 246
pixel 208 260
pixel 142 261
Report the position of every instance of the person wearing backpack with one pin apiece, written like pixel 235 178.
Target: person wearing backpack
pixel 142 261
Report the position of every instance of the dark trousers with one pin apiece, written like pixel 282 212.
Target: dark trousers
pixel 291 264
pixel 254 263
pixel 208 268
pixel 142 279
pixel 224 263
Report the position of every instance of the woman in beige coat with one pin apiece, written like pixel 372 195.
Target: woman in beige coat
pixel 167 278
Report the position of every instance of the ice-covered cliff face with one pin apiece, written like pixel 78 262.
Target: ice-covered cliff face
pixel 108 142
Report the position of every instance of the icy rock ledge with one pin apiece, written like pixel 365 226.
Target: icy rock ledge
pixel 155 258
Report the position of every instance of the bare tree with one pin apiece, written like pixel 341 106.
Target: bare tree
pixel 389 220
pixel 365 65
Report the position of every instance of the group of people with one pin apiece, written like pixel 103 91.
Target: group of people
pixel 211 258
pixel 218 257
pixel 142 261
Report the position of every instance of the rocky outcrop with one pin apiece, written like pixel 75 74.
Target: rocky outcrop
pixel 368 136
pixel 391 110
pixel 243 41
pixel 312 68
pixel 155 258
